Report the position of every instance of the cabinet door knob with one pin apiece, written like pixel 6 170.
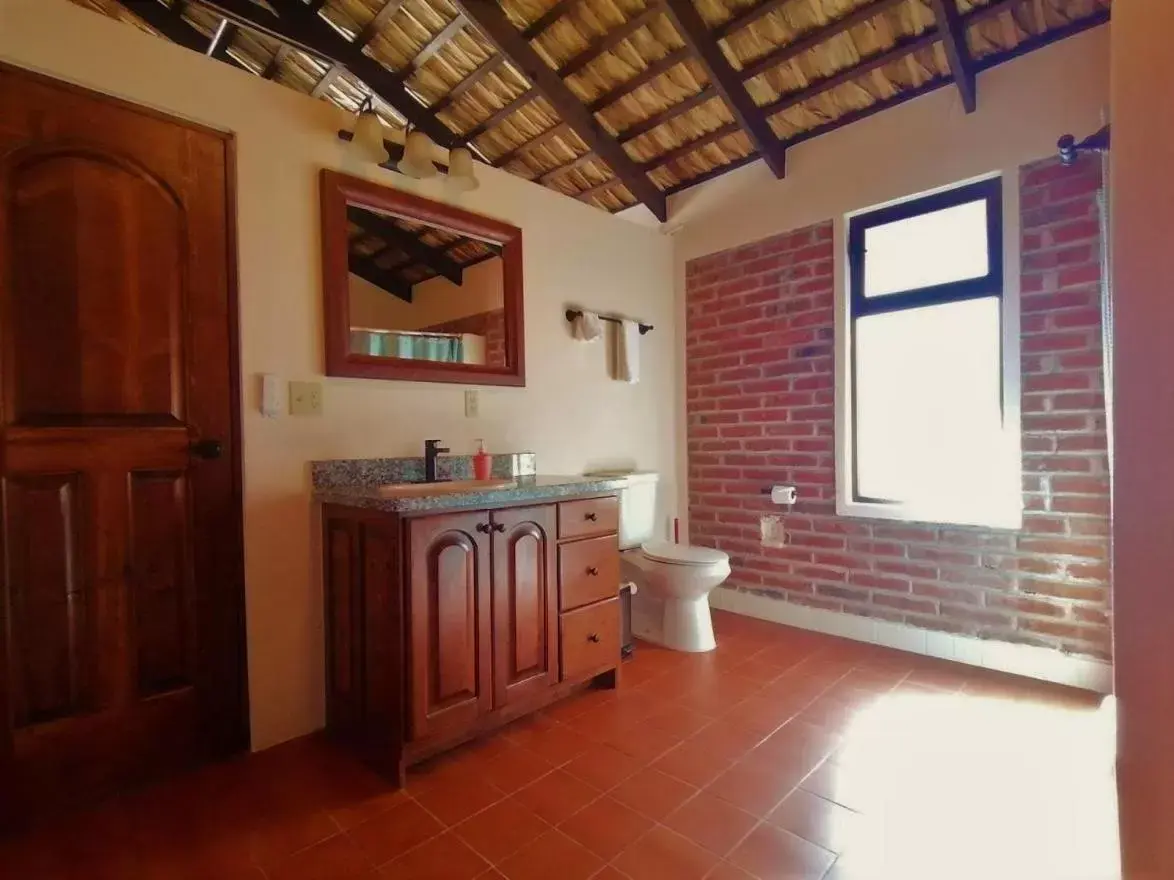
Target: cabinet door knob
pixel 594 637
pixel 591 517
pixel 206 449
pixel 483 528
pixel 499 527
pixel 593 571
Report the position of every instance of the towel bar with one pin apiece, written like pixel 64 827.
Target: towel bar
pixel 572 314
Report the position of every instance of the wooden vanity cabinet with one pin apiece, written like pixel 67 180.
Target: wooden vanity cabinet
pixel 444 626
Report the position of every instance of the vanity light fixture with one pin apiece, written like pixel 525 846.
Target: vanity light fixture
pixel 461 177
pixel 368 138
pixel 417 161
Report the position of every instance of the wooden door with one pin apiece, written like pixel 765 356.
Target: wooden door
pixel 525 602
pixel 121 610
pixel 449 608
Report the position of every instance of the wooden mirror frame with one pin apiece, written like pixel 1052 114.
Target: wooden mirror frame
pixel 338 191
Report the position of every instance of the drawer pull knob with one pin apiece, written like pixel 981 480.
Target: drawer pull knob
pixel 594 637
pixel 591 517
pixel 483 528
pixel 593 571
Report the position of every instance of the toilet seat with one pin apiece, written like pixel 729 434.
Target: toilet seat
pixel 683 554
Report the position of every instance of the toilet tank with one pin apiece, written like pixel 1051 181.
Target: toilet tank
pixel 638 509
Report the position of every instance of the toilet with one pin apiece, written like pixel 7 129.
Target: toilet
pixel 670 606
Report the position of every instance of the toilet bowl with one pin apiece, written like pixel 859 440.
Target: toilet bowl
pixel 671 604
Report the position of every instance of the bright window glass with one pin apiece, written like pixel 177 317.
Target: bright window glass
pixel 929 420
pixel 927 250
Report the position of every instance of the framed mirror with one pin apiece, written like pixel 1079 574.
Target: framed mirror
pixel 418 290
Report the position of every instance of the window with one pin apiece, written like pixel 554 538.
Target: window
pixel 929 437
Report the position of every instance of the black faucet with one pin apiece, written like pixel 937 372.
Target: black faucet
pixel 432 448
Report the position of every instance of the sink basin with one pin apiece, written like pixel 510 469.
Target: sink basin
pixel 452 487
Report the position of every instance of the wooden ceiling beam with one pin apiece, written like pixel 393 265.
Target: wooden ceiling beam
pixel 492 21
pixel 692 29
pixel 751 15
pixel 898 51
pixel 492 63
pixel 372 28
pixel 566 168
pixel 301 27
pixel 953 34
pixel 608 41
pixel 692 146
pixel 680 108
pixel 438 42
pixel 816 37
pixel 647 75
pixel 416 250
pixel 544 21
pixel 537 141
pixel 370 271
pixel 501 115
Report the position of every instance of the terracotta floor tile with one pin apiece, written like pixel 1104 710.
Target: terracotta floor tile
pixel 727 871
pixel 928 754
pixel 711 822
pixel 819 821
pixel 501 830
pixel 455 799
pixel 603 767
pixel 442 858
pixel 605 827
pixel 339 857
pixel 661 854
pixel 754 789
pixel 652 793
pixel 556 796
pixel 770 853
pixel 514 768
pixel 553 856
pixel 393 833
pixel 692 763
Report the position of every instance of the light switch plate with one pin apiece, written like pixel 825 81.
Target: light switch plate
pixel 305 398
pixel 472 404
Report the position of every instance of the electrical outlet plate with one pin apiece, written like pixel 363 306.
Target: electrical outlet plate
pixel 472 404
pixel 305 398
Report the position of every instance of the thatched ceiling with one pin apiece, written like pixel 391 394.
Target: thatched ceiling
pixel 617 101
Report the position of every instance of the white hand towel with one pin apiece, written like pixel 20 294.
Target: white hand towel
pixel 627 352
pixel 587 327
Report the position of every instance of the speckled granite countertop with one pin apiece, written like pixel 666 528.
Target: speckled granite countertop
pixel 527 488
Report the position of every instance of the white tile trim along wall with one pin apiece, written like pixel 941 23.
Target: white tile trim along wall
pixel 1040 663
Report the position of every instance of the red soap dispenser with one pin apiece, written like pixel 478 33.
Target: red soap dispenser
pixel 482 462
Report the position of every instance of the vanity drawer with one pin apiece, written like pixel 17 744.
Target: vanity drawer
pixel 590 640
pixel 594 516
pixel 588 571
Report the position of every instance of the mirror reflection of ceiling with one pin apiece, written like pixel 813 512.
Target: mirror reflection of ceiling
pixel 396 254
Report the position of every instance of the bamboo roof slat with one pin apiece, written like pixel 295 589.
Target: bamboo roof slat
pixel 631 91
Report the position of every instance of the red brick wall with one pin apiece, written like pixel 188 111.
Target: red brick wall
pixel 761 411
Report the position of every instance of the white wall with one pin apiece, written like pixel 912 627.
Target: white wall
pixel 1024 106
pixel 570 413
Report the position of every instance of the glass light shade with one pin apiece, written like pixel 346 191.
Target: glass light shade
pixel 417 161
pixel 461 176
pixel 368 139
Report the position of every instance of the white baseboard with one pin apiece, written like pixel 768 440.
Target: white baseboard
pixel 1027 660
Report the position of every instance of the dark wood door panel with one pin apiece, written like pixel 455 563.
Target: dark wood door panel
pixel 449 605
pixel 162 592
pixel 48 609
pixel 121 589
pixel 95 291
pixel 525 607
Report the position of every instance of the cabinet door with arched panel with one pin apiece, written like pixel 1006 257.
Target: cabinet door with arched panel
pixel 451 620
pixel 525 603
